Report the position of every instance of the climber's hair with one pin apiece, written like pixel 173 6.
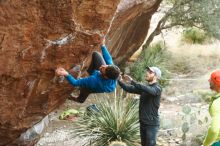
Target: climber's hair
pixel 112 72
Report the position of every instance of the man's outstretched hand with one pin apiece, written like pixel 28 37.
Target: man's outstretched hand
pixel 61 72
pixel 127 78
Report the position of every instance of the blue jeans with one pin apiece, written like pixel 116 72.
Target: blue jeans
pixel 216 144
pixel 148 134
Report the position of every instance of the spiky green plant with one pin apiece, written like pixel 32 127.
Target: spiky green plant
pixel 116 120
pixel 155 55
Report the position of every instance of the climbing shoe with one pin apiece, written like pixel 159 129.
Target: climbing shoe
pixel 76 71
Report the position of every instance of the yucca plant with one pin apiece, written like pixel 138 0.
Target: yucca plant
pixel 116 120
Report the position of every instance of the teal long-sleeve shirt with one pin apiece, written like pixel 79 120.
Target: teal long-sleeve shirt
pixel 96 82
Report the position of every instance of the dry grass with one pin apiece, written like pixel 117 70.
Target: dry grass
pixel 192 57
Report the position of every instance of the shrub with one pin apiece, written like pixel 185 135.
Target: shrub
pixel 116 121
pixel 155 55
pixel 194 35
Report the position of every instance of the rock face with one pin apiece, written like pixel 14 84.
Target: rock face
pixel 38 36
pixel 130 27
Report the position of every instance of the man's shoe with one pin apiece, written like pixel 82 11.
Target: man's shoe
pixel 70 97
pixel 74 95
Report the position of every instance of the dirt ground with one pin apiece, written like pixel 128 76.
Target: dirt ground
pixel 59 132
pixel 184 90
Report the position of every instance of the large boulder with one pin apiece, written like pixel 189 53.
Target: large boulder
pixel 38 36
pixel 130 27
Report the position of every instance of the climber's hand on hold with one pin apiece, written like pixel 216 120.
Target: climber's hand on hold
pixel 103 41
pixel 61 72
pixel 102 38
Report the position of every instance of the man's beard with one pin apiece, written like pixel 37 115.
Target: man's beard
pixel 150 79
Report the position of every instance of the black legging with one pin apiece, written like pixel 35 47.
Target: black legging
pixel 97 61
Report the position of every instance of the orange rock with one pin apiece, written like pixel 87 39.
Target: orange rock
pixel 38 36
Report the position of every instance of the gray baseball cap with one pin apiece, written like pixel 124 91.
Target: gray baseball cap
pixel 156 70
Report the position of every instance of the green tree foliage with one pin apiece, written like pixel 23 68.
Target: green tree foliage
pixel 203 14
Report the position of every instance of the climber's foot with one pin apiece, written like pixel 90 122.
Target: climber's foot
pixel 74 96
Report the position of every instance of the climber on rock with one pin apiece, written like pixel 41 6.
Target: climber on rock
pixel 103 75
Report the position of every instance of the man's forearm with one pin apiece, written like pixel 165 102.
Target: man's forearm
pixel 106 55
pixel 144 88
pixel 127 87
pixel 71 80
